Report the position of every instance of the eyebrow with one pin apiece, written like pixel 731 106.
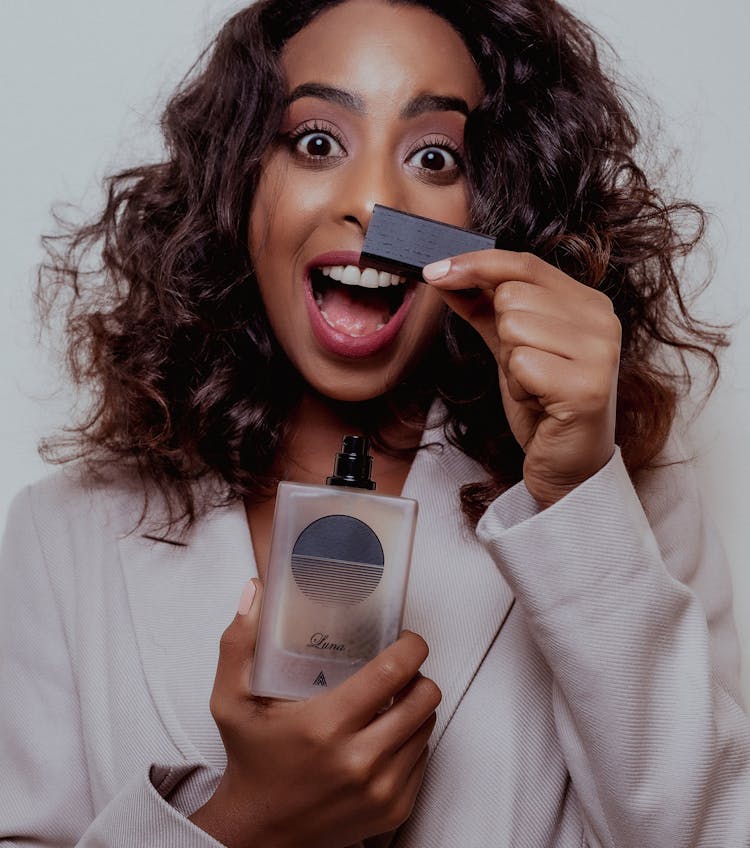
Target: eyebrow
pixel 433 103
pixel 352 102
pixel 417 106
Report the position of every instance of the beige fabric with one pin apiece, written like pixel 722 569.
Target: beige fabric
pixel 586 654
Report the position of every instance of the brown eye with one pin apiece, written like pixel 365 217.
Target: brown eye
pixel 318 145
pixel 434 159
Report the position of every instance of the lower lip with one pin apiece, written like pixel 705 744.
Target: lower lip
pixel 350 346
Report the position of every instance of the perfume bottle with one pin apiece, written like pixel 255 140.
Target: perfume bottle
pixel 336 582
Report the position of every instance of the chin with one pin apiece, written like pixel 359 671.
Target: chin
pixel 350 391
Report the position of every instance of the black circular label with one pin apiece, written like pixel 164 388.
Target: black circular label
pixel 337 560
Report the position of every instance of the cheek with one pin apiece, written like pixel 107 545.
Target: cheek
pixel 430 316
pixel 270 207
pixel 450 205
pixel 287 207
pixel 458 213
pixel 259 226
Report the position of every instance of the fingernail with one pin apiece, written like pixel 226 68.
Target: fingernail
pixel 246 601
pixel 436 270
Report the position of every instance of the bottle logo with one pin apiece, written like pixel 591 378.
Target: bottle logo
pixel 320 680
pixel 337 560
pixel 320 641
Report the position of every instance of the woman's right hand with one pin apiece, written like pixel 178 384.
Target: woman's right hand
pixel 326 772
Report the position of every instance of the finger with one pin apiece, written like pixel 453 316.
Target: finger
pixel 574 330
pixel 597 314
pixel 410 784
pixel 414 706
pixel 487 269
pixel 561 338
pixel 409 754
pixel 526 329
pixel 554 380
pixel 510 387
pixel 237 645
pixel 358 699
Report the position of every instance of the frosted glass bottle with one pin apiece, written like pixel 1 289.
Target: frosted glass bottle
pixel 337 576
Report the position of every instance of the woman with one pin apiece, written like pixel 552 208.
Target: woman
pixel 581 686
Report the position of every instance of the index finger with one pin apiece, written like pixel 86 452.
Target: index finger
pixel 487 269
pixel 358 699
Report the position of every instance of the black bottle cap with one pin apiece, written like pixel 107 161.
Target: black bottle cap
pixel 353 465
pixel 403 244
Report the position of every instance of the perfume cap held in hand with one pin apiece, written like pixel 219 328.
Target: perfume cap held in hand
pixel 353 465
pixel 403 244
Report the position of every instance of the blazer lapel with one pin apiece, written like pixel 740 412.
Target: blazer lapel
pixel 457 598
pixel 182 597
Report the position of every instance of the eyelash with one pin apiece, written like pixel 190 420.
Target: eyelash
pixel 316 126
pixel 440 143
pixel 308 128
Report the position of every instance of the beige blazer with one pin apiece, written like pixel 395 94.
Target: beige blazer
pixel 586 654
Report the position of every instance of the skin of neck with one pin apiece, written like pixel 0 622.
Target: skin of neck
pixel 315 437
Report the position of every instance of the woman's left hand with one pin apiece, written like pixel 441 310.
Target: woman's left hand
pixel 557 346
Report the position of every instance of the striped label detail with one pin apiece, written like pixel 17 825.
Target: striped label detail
pixel 335 580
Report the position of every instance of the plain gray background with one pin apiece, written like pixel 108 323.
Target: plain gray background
pixel 81 86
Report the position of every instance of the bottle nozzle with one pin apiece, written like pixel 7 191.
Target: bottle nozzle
pixel 353 465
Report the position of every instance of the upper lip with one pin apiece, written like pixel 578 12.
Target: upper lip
pixel 334 257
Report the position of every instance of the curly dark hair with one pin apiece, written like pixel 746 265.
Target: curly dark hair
pixel 167 331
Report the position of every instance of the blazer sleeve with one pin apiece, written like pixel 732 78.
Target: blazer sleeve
pixel 633 613
pixel 45 798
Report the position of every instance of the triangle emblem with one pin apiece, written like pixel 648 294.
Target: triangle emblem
pixel 320 680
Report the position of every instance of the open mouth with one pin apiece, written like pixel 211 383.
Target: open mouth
pixel 357 301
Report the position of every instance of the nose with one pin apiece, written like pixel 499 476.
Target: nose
pixel 368 181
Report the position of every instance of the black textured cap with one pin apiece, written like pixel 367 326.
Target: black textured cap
pixel 353 465
pixel 403 244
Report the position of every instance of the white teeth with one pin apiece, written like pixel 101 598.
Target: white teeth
pixel 369 278
pixel 351 276
pixel 336 272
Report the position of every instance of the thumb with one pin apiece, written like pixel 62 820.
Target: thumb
pixel 237 645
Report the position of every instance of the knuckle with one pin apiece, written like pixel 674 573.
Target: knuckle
pixel 527 264
pixel 613 357
pixel 518 358
pixel 317 735
pixel 615 329
pixel 390 671
pixel 399 811
pixel 381 792
pixel 220 710
pixel 357 769
pixel 505 325
pixel 229 642
pixel 507 295
pixel 609 354
pixel 593 393
pixel 431 692
pixel 606 301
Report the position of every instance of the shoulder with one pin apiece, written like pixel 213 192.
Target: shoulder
pixel 69 513
pixel 73 508
pixel 70 501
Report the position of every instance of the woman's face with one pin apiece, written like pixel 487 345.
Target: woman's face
pixel 376 114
